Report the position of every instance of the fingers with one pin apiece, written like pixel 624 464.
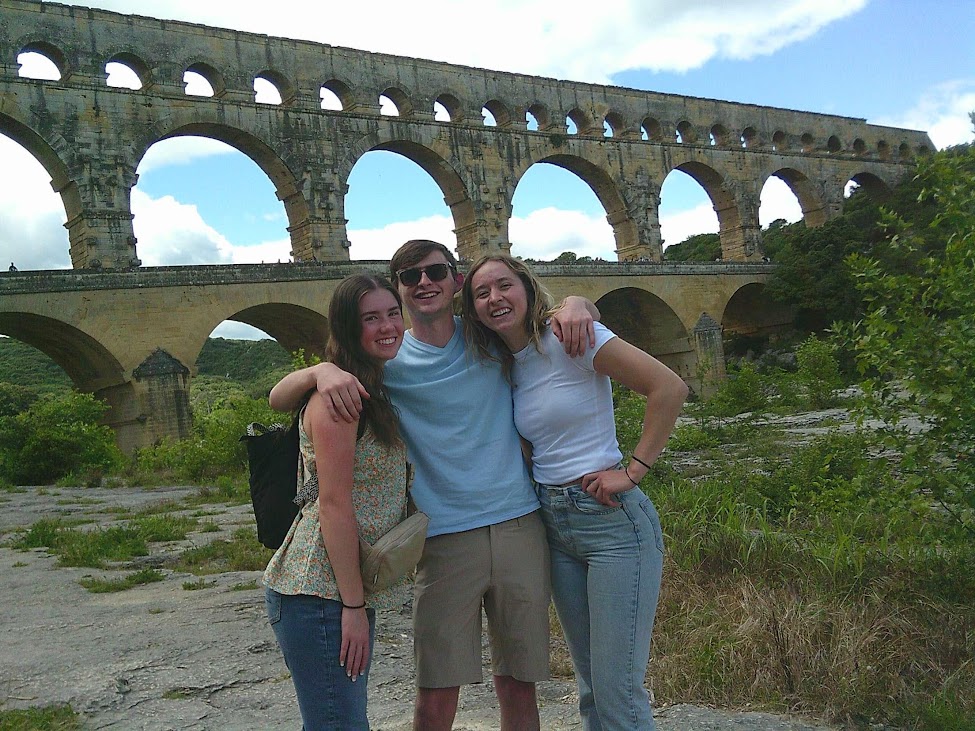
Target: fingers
pixel 601 486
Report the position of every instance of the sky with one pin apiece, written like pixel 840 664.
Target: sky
pixel 904 63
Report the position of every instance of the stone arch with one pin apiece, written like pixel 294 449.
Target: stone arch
pixel 859 147
pixel 904 152
pixel 342 90
pixel 808 142
pixel 833 144
pixel 581 120
pixel 88 363
pixel 780 142
pixel 720 137
pixel 286 89
pixel 806 192
pixel 404 105
pixel 649 323
pixel 209 72
pixel 749 138
pixel 47 49
pixel 499 110
pixel 448 174
pixel 883 150
pixel 293 326
pixel 723 201
pixel 872 185
pixel 135 62
pixel 453 105
pixel 53 154
pixel 749 311
pixel 652 128
pixel 202 122
pixel 686 132
pixel 607 192
pixel 541 114
pixel 616 123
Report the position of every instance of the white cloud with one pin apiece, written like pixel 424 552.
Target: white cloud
pixel 171 233
pixel 547 232
pixel 942 111
pixel 381 243
pixel 232 330
pixel 539 37
pixel 32 233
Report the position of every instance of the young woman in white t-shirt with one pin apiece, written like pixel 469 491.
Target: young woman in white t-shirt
pixel 603 531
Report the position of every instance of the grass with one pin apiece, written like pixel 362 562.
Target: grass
pixel 241 553
pixel 93 548
pixel 49 718
pixel 200 583
pixel 245 586
pixel 138 578
pixel 805 575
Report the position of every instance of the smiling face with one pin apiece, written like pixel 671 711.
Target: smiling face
pixel 381 321
pixel 501 303
pixel 429 300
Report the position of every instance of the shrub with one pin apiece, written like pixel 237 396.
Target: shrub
pixel 56 435
pixel 818 371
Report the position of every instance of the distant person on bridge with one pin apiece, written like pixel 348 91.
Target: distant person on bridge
pixel 486 544
pixel 603 531
pixel 354 482
pixel 11 268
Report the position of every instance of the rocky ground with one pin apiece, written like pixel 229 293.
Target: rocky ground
pixel 162 657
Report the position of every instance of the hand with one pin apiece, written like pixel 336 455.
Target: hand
pixel 354 656
pixel 572 325
pixel 342 392
pixel 605 485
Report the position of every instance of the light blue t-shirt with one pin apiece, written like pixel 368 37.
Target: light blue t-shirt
pixel 456 418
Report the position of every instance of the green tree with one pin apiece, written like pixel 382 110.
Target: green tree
pixel 916 341
pixel 57 435
pixel 700 247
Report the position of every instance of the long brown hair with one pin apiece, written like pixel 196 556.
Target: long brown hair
pixel 485 342
pixel 345 350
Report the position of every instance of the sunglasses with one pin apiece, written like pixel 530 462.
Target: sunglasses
pixel 435 273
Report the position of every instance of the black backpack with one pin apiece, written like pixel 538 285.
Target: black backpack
pixel 272 457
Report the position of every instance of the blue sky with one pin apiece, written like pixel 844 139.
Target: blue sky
pixel 899 62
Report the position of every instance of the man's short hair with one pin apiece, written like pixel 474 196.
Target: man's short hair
pixel 413 252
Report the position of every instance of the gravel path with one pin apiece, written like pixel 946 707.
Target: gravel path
pixel 160 657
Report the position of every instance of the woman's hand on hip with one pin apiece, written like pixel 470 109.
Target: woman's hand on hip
pixel 605 485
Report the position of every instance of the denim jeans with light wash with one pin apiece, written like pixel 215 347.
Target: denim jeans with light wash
pixel 606 569
pixel 309 632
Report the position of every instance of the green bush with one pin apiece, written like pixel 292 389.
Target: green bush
pixel 818 372
pixel 55 436
pixel 214 448
pixel 744 390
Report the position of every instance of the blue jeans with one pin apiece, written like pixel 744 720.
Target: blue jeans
pixel 309 631
pixel 606 569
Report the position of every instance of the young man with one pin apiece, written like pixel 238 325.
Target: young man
pixel 486 545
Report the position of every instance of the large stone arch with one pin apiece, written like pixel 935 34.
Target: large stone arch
pixel 873 185
pixel 293 326
pixel 750 312
pixel 607 191
pixel 806 192
pixel 288 187
pixel 55 155
pixel 92 368
pixel 649 323
pixel 446 173
pixel 733 227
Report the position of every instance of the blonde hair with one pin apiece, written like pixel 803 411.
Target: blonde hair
pixel 484 341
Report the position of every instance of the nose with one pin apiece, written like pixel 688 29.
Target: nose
pixel 424 275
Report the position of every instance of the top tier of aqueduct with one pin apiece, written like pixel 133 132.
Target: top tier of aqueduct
pixel 91 137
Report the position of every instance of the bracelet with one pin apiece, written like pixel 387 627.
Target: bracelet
pixel 633 456
pixel 627 473
pixel 353 606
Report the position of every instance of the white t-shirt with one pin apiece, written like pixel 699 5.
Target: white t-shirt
pixel 565 409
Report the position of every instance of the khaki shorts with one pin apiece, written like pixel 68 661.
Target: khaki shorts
pixel 505 568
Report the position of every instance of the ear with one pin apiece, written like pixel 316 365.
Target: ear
pixel 458 282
